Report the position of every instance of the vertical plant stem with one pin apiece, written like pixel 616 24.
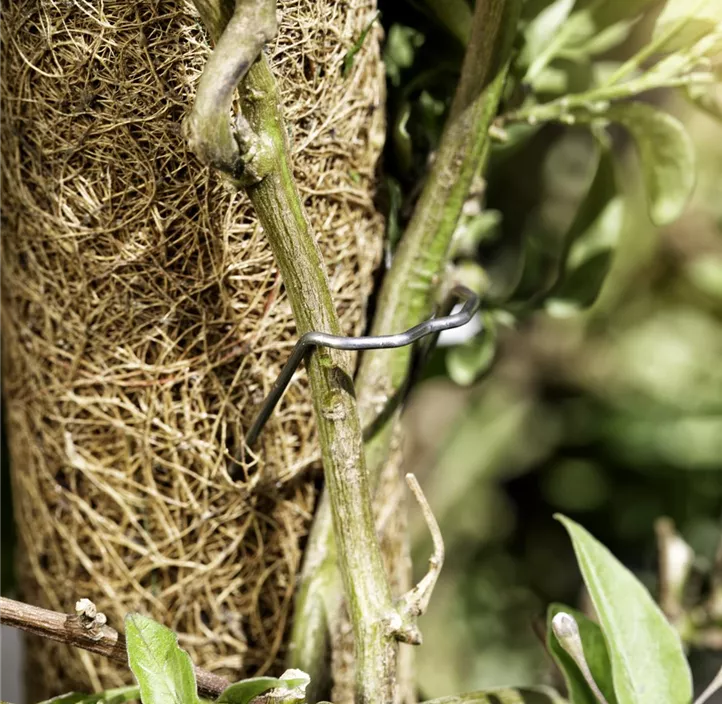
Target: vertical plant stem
pixel 408 291
pixel 407 294
pixel 278 206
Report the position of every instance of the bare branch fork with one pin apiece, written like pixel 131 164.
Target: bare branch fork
pixel 86 630
pixel 415 602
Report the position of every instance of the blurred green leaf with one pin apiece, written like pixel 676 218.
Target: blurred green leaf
pixel 595 653
pixel 609 37
pixel 543 28
pixel 705 272
pixel 565 75
pixel 648 662
pixel 516 137
pixel 571 269
pixel 705 98
pixel 245 691
pixel 581 286
pixel 666 154
pixel 163 670
pixel 431 117
pixel 468 361
pixel 605 13
pixel 473 230
pixel 453 15
pixel 588 19
pixel 109 696
pixel 683 22
pixel 504 695
pixel 403 146
pixel 400 50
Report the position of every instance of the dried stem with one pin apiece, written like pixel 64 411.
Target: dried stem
pixel 415 602
pixel 103 640
pixel 278 205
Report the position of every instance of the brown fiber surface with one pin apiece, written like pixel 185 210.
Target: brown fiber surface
pixel 143 321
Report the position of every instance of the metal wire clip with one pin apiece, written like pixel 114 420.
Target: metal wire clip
pixel 367 342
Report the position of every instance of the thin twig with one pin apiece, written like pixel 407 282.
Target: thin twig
pixel 415 602
pixel 103 640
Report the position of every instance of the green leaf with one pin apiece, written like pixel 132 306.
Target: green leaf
pixel 666 154
pixel 400 50
pixel 472 230
pixel 468 361
pixel 648 662
pixel 682 23
pixel 605 13
pixel 569 268
pixel 504 695
pixel 348 59
pixel 543 28
pixel 163 670
pixel 589 19
pixel 705 98
pixel 245 691
pixel 595 653
pixel 109 696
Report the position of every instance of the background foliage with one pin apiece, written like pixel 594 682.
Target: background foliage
pixel 604 398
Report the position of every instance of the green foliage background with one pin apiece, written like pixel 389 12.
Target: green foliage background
pixel 604 401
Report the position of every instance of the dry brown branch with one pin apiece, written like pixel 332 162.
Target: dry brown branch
pixel 103 640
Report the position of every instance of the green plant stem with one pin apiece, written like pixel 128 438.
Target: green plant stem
pixel 409 289
pixel 408 292
pixel 597 100
pixel 278 206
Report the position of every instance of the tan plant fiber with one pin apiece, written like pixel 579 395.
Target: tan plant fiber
pixel 143 321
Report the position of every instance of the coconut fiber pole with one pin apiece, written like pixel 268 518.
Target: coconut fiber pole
pixel 144 321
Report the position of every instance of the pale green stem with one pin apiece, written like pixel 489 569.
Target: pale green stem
pixel 279 209
pixel 653 47
pixel 598 99
pixel 408 291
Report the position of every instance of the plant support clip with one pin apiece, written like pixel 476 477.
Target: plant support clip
pixel 433 326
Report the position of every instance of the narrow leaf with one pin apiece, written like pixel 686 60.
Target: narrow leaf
pixel 586 255
pixel 109 696
pixel 666 154
pixel 348 59
pixel 163 670
pixel 595 652
pixel 245 691
pixel 504 695
pixel 682 23
pixel 543 28
pixel 648 662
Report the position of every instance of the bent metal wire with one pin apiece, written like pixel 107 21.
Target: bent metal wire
pixel 366 342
